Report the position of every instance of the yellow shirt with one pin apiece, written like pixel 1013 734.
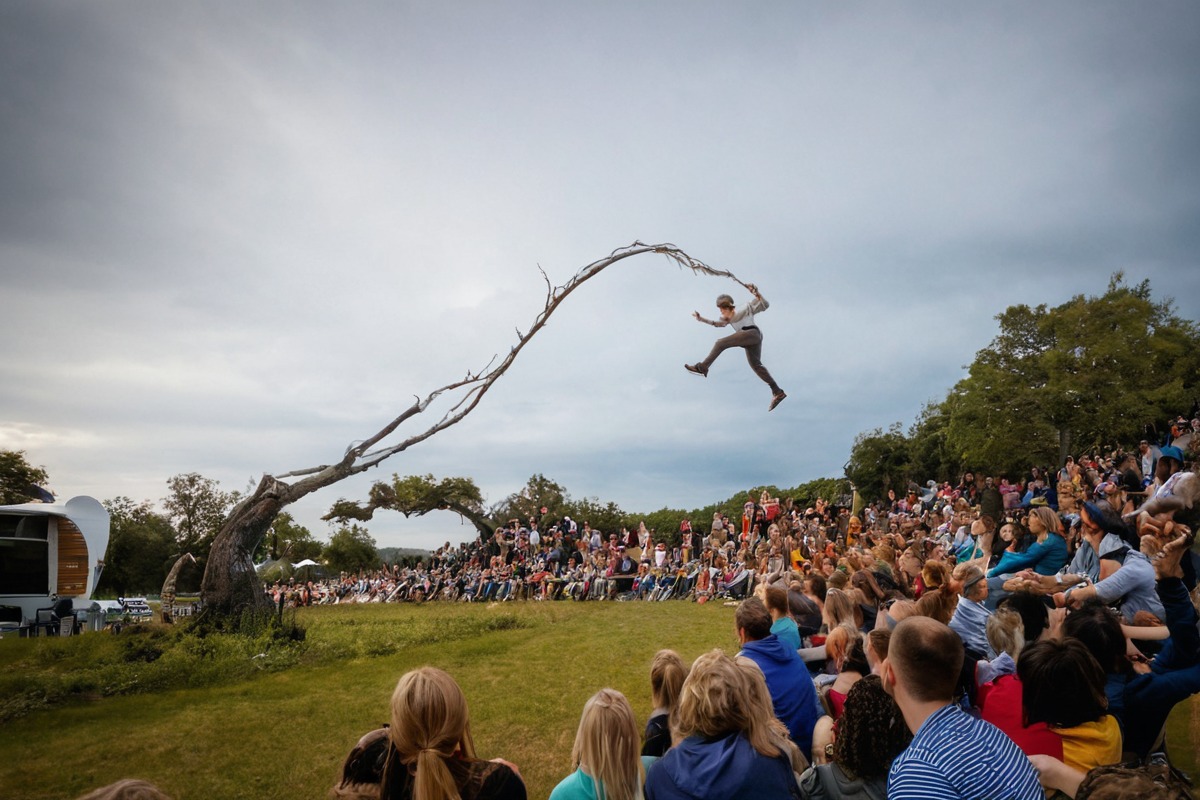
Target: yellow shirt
pixel 1091 744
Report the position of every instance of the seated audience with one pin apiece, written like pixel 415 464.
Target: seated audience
pixel 605 755
pixel 723 752
pixel 970 615
pixel 782 624
pixel 667 673
pixel 869 736
pixel 792 691
pixel 362 770
pixel 1062 685
pixel 846 651
pixel 952 753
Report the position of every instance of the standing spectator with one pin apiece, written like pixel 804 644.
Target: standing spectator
pixel 1149 457
pixel 952 755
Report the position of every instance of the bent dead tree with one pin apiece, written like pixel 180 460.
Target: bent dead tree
pixel 230 586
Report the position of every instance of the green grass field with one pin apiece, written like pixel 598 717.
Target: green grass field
pixel 282 731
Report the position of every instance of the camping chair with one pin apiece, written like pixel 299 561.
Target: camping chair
pixel 736 589
pixel 45 620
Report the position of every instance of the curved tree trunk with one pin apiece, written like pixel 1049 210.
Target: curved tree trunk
pixel 167 594
pixel 230 586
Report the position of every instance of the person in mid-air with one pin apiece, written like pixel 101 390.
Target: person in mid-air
pixel 748 337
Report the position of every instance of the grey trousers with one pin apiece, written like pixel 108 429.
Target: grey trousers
pixel 749 339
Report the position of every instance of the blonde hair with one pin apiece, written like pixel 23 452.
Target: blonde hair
pixel 667 673
pixel 716 701
pixel 1048 518
pixel 839 608
pixel 768 735
pixel 429 725
pixel 1006 631
pixel 840 641
pixel 127 789
pixel 608 746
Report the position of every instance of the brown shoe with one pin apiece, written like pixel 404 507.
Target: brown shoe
pixel 776 400
pixel 696 369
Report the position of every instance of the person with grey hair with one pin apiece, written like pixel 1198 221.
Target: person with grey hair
pixel 746 336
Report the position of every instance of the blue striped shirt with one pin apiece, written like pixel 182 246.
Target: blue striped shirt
pixel 954 755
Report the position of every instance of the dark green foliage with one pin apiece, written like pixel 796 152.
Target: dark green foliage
pixel 141 550
pixel 287 538
pixel 351 549
pixel 17 476
pixel 416 496
pixel 196 507
pixel 1086 375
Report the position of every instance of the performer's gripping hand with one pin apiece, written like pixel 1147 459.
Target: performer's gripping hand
pixel 696 314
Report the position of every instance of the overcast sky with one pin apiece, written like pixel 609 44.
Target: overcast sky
pixel 235 237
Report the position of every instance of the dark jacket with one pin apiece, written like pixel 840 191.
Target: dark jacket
pixel 728 768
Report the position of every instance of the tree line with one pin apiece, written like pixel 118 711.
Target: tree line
pixel 1089 375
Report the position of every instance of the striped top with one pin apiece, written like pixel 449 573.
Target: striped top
pixel 954 755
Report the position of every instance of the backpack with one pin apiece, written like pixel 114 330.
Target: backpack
pixel 1146 782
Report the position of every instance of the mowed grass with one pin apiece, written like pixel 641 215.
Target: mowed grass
pixel 526 669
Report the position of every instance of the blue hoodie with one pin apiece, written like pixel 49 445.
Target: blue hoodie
pixel 791 687
pixel 723 769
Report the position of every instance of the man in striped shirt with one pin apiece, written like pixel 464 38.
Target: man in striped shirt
pixel 952 754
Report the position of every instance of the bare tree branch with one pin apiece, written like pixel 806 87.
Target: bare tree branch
pixel 248 522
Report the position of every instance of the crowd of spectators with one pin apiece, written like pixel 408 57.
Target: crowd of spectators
pixel 997 638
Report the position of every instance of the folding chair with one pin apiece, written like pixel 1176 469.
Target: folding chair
pixel 44 621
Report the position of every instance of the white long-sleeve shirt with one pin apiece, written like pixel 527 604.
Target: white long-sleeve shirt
pixel 743 317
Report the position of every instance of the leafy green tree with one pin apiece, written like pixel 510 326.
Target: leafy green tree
pixel 1088 373
pixel 879 461
pixel 539 492
pixel 831 490
pixel 664 523
pixel 287 537
pixel 141 549
pixel 416 496
pixel 351 549
pixel 196 507
pixel 929 453
pixel 18 477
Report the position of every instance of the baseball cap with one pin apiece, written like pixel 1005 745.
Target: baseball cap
pixel 1172 452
